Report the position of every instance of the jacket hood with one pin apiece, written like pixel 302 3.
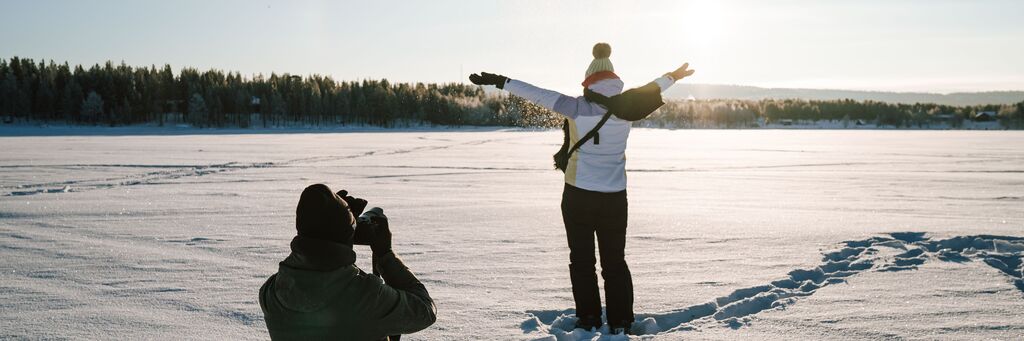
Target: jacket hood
pixel 608 87
pixel 315 272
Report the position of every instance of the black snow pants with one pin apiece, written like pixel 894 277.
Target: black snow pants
pixel 586 213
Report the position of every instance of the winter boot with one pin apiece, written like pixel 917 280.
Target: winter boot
pixel 589 323
pixel 622 328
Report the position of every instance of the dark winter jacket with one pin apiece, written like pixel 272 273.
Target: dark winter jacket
pixel 319 294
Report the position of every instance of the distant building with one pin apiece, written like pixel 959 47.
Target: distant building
pixel 985 116
pixel 944 118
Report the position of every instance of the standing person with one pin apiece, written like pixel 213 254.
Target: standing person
pixel 594 197
pixel 319 294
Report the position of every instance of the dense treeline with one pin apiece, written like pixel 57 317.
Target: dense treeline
pixel 743 114
pixel 117 94
pixel 120 94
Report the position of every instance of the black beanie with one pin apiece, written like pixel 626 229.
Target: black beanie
pixel 321 214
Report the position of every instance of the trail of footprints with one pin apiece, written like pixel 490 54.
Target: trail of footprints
pixel 1000 252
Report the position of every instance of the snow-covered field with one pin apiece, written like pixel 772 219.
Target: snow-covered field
pixel 734 234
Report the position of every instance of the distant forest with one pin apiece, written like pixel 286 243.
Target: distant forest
pixel 118 94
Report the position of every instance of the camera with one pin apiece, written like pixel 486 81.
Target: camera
pixel 366 225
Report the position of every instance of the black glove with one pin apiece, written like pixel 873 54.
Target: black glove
pixel 381 243
pixel 485 78
pixel 356 205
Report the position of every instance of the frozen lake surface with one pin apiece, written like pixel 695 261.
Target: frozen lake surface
pixel 734 234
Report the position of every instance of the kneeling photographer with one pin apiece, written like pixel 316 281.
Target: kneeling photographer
pixel 319 293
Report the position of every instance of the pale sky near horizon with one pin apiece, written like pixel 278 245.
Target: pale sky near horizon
pixel 909 45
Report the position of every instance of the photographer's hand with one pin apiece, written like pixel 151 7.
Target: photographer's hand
pixel 381 244
pixel 356 205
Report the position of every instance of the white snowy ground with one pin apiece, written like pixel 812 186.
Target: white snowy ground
pixel 734 234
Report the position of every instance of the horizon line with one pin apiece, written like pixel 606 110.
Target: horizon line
pixel 252 75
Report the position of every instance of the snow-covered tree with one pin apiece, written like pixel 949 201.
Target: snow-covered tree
pixel 197 110
pixel 92 107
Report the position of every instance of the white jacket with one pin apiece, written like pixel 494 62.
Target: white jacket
pixel 594 167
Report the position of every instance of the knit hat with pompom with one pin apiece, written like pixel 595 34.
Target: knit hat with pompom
pixel 601 62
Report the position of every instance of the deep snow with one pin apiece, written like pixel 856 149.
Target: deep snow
pixel 754 234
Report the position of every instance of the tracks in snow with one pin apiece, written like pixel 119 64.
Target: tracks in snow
pixel 1003 253
pixel 171 172
pixel 166 173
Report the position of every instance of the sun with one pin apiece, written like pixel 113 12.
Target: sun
pixel 704 22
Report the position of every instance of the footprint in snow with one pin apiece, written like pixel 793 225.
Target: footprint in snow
pixel 1003 253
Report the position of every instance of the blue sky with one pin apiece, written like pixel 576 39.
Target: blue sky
pixel 913 45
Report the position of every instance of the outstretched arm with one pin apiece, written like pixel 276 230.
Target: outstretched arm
pixel 555 101
pixel 665 81
pixel 549 99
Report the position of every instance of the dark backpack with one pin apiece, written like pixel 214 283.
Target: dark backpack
pixel 633 105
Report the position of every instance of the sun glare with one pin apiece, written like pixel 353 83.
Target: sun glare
pixel 704 23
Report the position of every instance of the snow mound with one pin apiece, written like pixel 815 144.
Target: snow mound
pixel 734 310
pixel 558 326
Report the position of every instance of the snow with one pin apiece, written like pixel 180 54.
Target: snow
pixel 859 256
pixel 734 234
